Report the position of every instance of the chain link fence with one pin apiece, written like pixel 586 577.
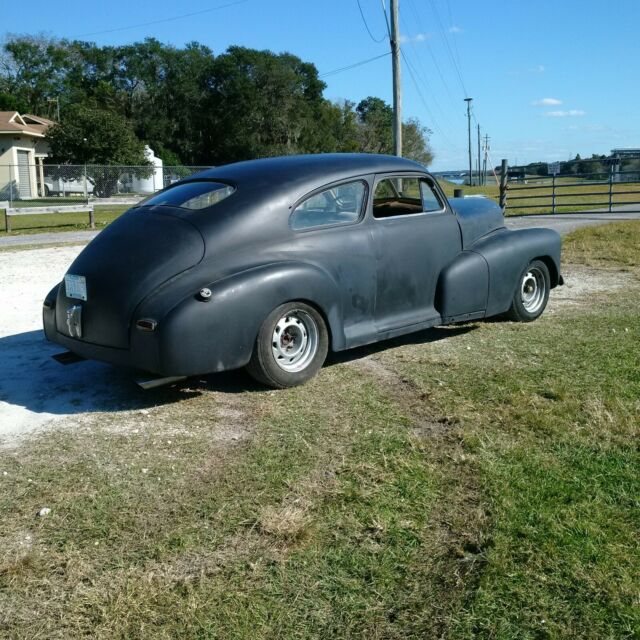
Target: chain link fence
pixel 97 183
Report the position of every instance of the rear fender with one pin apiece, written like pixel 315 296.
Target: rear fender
pixel 199 336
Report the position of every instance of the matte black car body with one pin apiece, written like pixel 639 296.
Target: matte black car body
pixel 370 280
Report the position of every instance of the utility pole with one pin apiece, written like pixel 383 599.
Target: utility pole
pixel 486 155
pixel 397 88
pixel 479 180
pixel 468 101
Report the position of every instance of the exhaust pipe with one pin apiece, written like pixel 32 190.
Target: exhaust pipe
pixel 67 357
pixel 152 383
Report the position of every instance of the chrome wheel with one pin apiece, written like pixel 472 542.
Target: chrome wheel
pixel 533 290
pixel 295 341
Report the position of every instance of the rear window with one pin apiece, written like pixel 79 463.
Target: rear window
pixel 191 195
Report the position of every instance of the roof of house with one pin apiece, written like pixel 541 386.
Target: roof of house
pixel 27 124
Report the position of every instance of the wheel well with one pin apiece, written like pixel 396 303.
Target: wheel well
pixel 554 276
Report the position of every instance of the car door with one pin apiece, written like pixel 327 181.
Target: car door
pixel 330 232
pixel 415 236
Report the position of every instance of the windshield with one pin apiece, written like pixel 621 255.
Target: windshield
pixel 191 195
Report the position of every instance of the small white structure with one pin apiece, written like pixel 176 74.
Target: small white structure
pixel 155 181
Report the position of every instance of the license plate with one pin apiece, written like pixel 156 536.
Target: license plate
pixel 75 287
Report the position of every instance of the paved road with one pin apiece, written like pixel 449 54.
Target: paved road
pixel 63 237
pixel 567 222
pixel 563 223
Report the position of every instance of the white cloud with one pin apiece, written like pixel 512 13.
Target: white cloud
pixel 455 29
pixel 571 113
pixel 547 102
pixel 538 69
pixel 419 37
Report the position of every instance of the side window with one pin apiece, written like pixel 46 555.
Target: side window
pixel 397 197
pixel 430 201
pixel 338 205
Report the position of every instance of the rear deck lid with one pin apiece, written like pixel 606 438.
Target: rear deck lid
pixel 134 255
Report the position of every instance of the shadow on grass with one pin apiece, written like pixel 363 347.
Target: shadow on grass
pixel 35 388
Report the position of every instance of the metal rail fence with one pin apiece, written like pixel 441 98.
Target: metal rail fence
pixel 29 183
pixel 603 186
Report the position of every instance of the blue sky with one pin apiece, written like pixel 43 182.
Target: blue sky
pixel 549 79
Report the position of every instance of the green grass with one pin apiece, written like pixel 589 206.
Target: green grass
pixel 542 203
pixel 45 223
pixel 467 482
pixel 613 245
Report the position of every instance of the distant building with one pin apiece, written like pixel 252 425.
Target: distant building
pixel 625 153
pixel 23 147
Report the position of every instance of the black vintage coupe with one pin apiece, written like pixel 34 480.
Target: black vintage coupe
pixel 270 263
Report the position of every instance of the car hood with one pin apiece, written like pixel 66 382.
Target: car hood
pixel 128 260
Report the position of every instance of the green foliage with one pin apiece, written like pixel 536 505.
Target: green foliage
pixel 89 135
pixel 190 106
pixel 375 132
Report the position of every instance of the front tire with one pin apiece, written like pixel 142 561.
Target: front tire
pixel 532 293
pixel 291 346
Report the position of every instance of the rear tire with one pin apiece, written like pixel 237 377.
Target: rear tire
pixel 291 346
pixel 532 293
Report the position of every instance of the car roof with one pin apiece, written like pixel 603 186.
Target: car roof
pixel 298 171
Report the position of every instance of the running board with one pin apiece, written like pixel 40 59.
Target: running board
pixel 67 357
pixel 152 383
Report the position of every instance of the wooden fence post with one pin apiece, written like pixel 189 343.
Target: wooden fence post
pixel 4 205
pixel 611 169
pixel 504 170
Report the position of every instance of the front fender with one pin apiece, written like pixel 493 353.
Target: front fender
pixel 199 337
pixel 507 252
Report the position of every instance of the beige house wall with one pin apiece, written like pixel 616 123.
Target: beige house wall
pixel 10 144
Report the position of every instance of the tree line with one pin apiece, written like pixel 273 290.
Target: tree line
pixel 597 166
pixel 190 106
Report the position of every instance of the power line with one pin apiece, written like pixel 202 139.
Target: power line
pixel 163 20
pixel 354 65
pixel 448 47
pixel 366 26
pixel 421 72
pixel 411 69
pixel 430 52
pixel 455 40
pixel 386 19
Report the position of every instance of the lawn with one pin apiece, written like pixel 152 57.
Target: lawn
pixel 542 203
pixel 45 223
pixel 474 481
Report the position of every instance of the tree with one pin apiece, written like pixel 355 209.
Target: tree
pixel 91 136
pixel 187 104
pixel 261 104
pixel 375 117
pixel 33 68
pixel 415 142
